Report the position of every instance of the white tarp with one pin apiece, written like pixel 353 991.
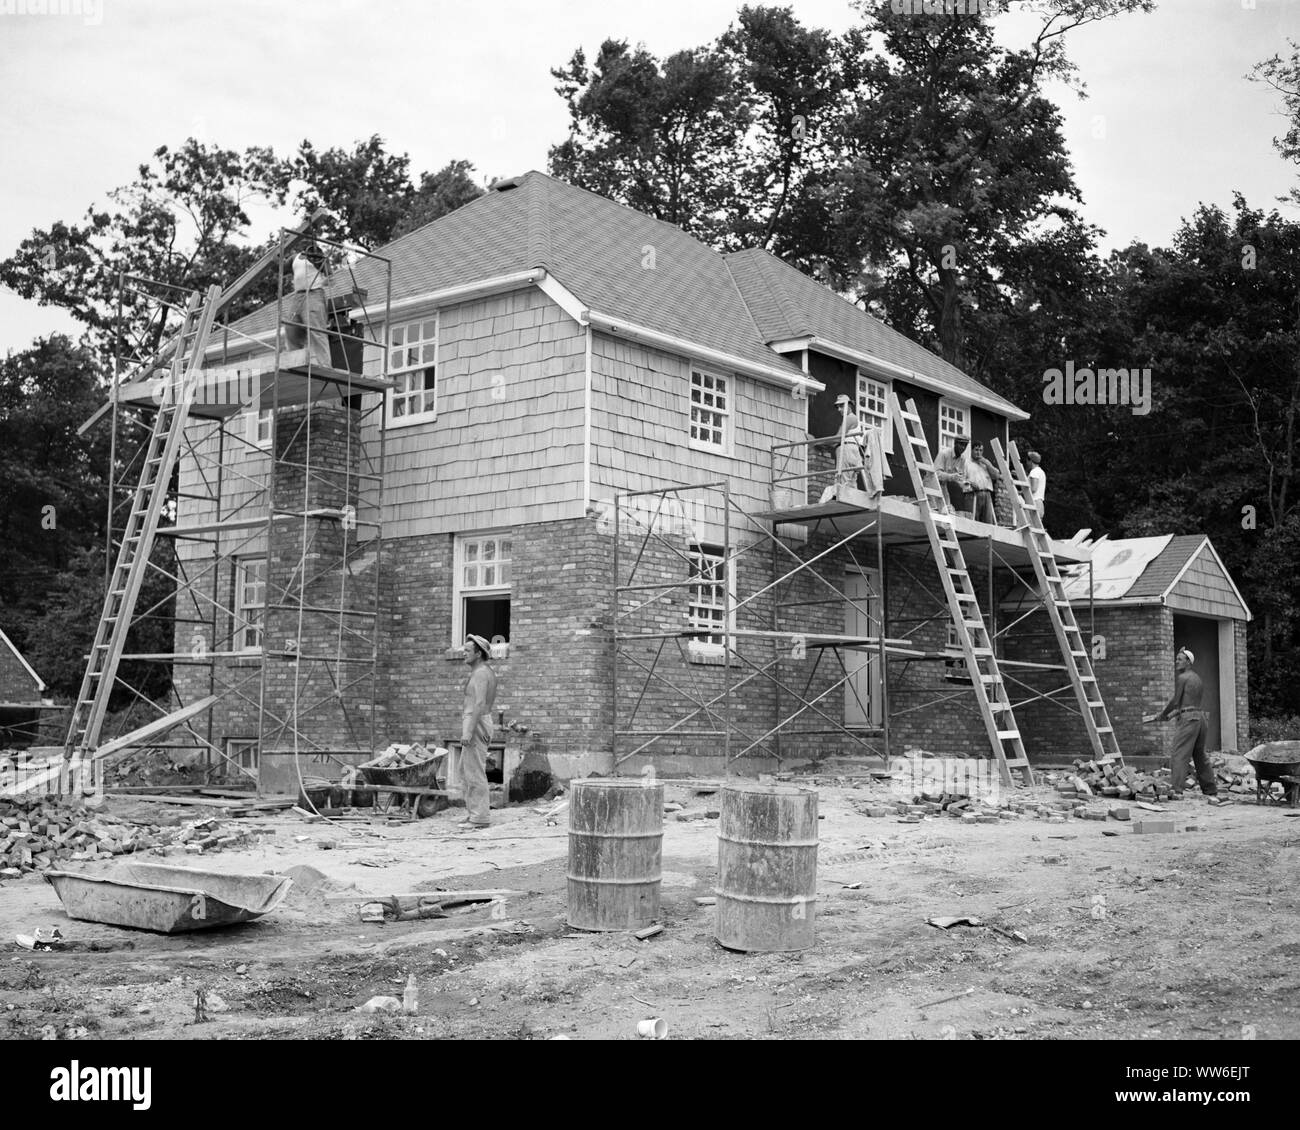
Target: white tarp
pixel 1116 565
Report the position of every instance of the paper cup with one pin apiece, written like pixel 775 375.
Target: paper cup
pixel 655 1029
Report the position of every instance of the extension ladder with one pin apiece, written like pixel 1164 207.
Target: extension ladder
pixel 1069 637
pixel 963 605
pixel 138 534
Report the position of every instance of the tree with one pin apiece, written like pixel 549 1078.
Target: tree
pixel 1282 73
pixel 952 156
pixel 181 223
pixel 660 138
pixel 451 187
pixel 53 490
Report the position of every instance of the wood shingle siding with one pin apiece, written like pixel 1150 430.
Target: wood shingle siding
pixel 1204 589
pixel 641 429
pixel 493 460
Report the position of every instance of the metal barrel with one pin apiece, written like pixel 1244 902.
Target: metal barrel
pixel 616 833
pixel 767 868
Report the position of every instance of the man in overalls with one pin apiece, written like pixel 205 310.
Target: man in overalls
pixel 476 732
pixel 1193 724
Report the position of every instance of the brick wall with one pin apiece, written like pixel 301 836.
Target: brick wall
pixel 1135 678
pixel 1243 687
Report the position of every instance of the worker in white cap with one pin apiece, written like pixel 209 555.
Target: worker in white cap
pixel 476 731
pixel 1193 724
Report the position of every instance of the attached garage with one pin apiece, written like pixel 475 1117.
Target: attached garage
pixel 1145 598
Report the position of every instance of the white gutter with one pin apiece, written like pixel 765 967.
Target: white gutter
pixel 586 424
pixel 888 368
pixel 784 378
pixel 465 292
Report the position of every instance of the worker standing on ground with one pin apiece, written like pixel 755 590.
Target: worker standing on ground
pixel 1037 481
pixel 1193 724
pixel 475 732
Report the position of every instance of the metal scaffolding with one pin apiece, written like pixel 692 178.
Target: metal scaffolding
pixel 249 481
pixel 787 656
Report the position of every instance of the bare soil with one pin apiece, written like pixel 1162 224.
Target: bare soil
pixel 1197 942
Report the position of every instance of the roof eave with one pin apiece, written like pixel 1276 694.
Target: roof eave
pixel 888 368
pixel 784 378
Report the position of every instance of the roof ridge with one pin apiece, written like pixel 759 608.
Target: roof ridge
pixel 779 293
pixel 740 293
pixel 539 224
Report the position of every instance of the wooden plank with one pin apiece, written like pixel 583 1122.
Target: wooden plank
pixel 155 728
pixel 445 896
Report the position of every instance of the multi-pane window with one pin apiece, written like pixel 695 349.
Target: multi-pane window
pixel 707 608
pixel 250 602
pixel 261 426
pixel 412 365
pixel 873 408
pixel 710 407
pixel 483 587
pixel 954 423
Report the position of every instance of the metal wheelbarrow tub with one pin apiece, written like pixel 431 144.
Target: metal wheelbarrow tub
pixel 1276 761
pixel 167 900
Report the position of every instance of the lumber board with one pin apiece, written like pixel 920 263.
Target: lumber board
pixel 441 896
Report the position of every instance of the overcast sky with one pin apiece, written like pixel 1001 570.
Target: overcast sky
pixel 1170 120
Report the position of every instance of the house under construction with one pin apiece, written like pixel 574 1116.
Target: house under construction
pixel 555 422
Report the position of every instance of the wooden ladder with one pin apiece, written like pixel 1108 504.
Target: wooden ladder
pixel 1069 637
pixel 138 534
pixel 963 605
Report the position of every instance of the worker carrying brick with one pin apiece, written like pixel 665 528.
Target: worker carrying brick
pixel 1193 724
pixel 476 732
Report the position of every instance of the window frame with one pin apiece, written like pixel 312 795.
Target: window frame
pixel 728 390
pixel 393 395
pixel 459 592
pixel 877 419
pixel 947 437
pixel 239 637
pixel 255 420
pixel 697 552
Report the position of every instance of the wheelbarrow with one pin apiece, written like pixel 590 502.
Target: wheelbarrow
pixel 1276 761
pixel 417 784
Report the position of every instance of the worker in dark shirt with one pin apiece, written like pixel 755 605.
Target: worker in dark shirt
pixel 1193 724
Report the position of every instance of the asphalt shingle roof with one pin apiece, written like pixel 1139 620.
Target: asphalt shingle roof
pixel 786 304
pixel 630 266
pixel 1165 566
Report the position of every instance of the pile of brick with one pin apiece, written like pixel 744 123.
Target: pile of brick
pixel 39 835
pixel 1108 778
pixel 1236 774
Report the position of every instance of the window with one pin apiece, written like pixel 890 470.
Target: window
pixel 250 602
pixel 954 423
pixel 261 427
pixel 707 607
pixel 482 591
pixel 873 408
pixel 709 411
pixel 243 752
pixel 412 363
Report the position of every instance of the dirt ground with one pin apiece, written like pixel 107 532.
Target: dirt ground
pixel 1198 940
